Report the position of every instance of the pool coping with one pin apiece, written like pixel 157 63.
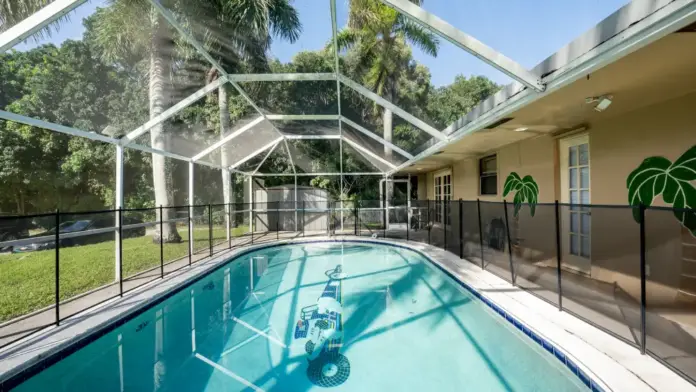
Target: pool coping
pixel 606 373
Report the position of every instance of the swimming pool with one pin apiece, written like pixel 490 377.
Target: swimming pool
pixel 349 316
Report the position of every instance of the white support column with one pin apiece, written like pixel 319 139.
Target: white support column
pixel 296 223
pixel 191 209
pixel 408 202
pixel 386 201
pixel 251 204
pixel 228 206
pixel 118 205
pixel 334 27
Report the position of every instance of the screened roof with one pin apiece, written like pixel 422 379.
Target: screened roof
pixel 196 81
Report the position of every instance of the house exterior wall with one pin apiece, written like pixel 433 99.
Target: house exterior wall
pixel 617 147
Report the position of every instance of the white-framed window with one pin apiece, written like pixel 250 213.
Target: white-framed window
pixel 443 194
pixel 488 175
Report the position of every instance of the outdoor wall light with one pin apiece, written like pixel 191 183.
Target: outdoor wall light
pixel 602 101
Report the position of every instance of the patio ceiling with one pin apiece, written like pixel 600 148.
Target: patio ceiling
pixel 658 69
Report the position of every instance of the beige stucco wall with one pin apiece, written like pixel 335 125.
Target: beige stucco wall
pixel 617 146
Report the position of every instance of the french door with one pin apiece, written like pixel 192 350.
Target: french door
pixel 575 194
pixel 443 194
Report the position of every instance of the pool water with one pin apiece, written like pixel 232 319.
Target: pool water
pixel 344 316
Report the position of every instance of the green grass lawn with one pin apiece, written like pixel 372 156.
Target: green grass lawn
pixel 27 280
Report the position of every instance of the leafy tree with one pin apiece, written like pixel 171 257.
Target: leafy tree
pixel 66 86
pixel 238 34
pixel 447 104
pixel 379 36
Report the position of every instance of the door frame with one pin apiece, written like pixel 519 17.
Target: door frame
pixel 575 263
pixel 442 173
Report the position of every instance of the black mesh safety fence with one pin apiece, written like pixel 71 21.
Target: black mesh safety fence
pixel 670 287
pixel 371 218
pixel 628 270
pixel 28 265
pixel 533 249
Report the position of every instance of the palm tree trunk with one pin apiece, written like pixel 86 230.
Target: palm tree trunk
pixel 388 128
pixel 161 172
pixel 387 120
pixel 223 105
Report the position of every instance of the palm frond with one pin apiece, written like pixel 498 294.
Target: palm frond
pixel 423 38
pixel 14 11
pixel 345 39
pixel 285 22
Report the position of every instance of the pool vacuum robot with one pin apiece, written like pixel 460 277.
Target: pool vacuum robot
pixel 322 325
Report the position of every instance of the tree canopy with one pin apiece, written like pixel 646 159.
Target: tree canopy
pixel 102 83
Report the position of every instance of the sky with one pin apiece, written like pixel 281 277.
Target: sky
pixel 527 31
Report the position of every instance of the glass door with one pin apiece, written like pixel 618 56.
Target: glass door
pixel 575 193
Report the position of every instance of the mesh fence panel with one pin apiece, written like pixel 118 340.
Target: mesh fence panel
pixel 241 224
pixel 670 289
pixel 418 223
pixel 87 266
pixel 533 240
pixel 471 233
pixel 371 219
pixel 201 231
pixel 141 247
pixel 496 258
pixel 437 229
pixel 454 230
pixel 176 253
pixel 27 276
pixel 601 282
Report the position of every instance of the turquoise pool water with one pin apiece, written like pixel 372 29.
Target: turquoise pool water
pixel 344 316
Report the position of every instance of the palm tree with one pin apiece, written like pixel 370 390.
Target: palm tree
pixel 235 31
pixel 379 36
pixel 132 30
pixel 239 34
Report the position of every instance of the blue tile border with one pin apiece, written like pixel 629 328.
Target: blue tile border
pixel 16 379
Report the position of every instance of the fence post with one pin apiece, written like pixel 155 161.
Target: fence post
pixel 558 258
pixel 461 231
pixel 210 228
pixel 303 218
pixel 428 222
pixel 509 245
pixel 120 251
pixel 384 215
pixel 355 221
pixel 642 281
pixel 278 221
pixel 229 225
pixel 251 221
pixel 161 225
pixel 445 211
pixel 190 223
pixel 408 222
pixel 57 267
pixel 478 207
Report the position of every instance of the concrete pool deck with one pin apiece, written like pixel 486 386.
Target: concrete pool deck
pixel 613 363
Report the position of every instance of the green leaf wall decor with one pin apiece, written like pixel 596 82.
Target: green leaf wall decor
pixel 658 176
pixel 526 190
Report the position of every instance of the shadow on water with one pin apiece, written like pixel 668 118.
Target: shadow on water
pixel 182 345
pixel 368 306
pixel 446 288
